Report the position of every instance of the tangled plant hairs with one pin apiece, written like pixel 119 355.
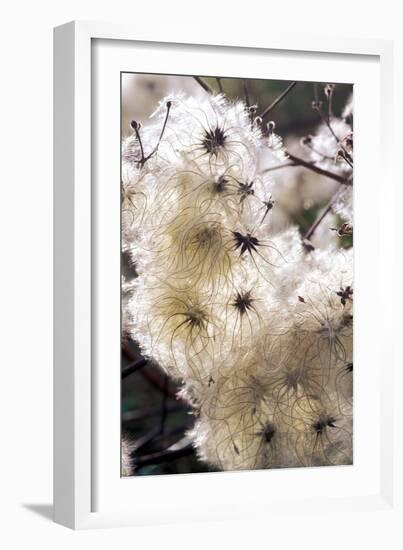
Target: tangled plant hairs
pixel 247 316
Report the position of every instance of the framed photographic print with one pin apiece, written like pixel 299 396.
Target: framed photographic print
pixel 212 335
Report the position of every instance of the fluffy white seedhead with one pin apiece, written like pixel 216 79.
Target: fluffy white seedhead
pixel 127 448
pixel 343 206
pixel 258 331
pixel 126 320
pixel 331 148
pixel 287 401
pixel 295 189
pixel 328 144
pixel 275 143
pixel 348 111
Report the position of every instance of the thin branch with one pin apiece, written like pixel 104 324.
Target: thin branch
pixel 246 93
pixel 137 415
pixel 152 374
pixel 318 170
pixel 218 79
pixel 146 439
pixel 136 127
pixel 296 161
pixel 329 105
pixel 277 101
pixel 163 456
pixel 169 104
pixel 322 216
pixel 133 367
pixel 278 166
pixel 203 84
pixel 307 142
pixel 344 157
pixel 326 120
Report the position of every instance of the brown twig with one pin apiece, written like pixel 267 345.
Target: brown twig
pixel 326 120
pixel 246 94
pixel 163 456
pixel 278 166
pixel 296 161
pixel 322 216
pixel 152 374
pixel 203 84
pixel 277 101
pixel 140 415
pixel 133 367
pixel 318 170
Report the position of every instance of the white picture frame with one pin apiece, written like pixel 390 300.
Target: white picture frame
pixel 88 491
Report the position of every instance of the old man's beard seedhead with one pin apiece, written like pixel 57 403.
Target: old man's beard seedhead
pixel 257 329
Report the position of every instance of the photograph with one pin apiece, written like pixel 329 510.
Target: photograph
pixel 188 233
pixel 236 274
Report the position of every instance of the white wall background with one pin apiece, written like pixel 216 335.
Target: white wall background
pixel 26 266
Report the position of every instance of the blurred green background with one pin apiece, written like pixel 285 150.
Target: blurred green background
pixel 294 115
